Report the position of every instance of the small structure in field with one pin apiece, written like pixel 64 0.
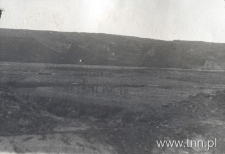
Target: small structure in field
pixel 81 61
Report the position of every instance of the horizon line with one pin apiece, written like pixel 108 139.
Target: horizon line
pixel 46 30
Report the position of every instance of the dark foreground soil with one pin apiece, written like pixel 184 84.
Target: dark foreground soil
pixel 20 116
pixel 119 111
pixel 128 131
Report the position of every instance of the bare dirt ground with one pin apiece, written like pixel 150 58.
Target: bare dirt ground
pixel 70 109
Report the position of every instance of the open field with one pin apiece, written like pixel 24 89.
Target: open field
pixel 97 109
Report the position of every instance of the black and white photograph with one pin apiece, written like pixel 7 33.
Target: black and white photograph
pixel 112 76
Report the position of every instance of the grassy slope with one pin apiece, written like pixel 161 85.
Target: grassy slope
pixel 104 49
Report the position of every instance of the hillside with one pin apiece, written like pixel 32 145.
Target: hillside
pixel 105 49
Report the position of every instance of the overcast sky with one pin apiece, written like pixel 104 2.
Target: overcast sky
pixel 159 19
